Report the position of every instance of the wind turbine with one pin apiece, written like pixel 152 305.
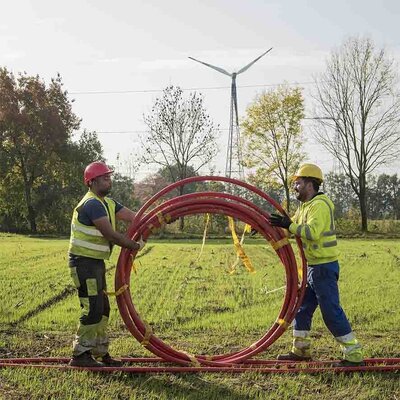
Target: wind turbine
pixel 234 151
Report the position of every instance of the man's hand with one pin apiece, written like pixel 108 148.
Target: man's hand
pixel 280 220
pixel 141 243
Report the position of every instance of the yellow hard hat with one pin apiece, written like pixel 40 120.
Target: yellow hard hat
pixel 309 171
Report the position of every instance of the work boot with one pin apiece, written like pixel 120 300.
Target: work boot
pixel 347 363
pixel 108 361
pixel 292 357
pixel 84 360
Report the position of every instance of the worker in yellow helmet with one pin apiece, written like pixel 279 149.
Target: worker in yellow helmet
pixel 93 235
pixel 314 224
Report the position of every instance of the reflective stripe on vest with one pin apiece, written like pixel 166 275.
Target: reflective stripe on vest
pixel 332 227
pixel 87 230
pixel 92 246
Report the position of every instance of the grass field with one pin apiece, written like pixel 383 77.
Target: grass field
pixel 198 307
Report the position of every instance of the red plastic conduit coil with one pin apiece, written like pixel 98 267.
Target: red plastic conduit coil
pixel 221 203
pixel 151 216
pixel 238 362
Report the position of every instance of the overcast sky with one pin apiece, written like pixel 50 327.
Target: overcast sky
pixel 134 49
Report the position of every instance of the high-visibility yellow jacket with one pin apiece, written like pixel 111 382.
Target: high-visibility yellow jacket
pixel 314 223
pixel 86 240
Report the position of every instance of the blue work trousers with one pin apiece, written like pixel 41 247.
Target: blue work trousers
pixel 322 290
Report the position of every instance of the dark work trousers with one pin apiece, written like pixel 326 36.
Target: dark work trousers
pixel 89 278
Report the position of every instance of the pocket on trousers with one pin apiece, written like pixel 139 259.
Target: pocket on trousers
pixel 91 285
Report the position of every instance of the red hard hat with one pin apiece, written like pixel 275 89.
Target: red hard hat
pixel 95 169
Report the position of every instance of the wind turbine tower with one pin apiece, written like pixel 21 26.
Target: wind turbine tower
pixel 234 159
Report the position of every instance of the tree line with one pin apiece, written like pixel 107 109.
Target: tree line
pixel 356 111
pixel 41 165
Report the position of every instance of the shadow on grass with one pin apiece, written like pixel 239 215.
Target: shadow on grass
pixel 182 386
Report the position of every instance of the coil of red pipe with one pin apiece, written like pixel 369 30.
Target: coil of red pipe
pixel 151 216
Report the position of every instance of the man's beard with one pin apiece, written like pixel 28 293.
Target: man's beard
pixel 298 196
pixel 104 192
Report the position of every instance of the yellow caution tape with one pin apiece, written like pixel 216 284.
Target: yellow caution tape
pixel 279 244
pixel 161 219
pixel 247 228
pixel 134 269
pixel 147 334
pixel 207 222
pixel 239 249
pixel 152 228
pixel 300 273
pixel 231 268
pixel 133 266
pixel 118 292
pixel 283 323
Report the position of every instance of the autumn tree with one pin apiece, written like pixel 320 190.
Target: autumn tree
pixel 358 112
pixel 36 122
pixel 273 137
pixel 54 194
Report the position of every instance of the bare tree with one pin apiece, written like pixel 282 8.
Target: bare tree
pixel 360 107
pixel 181 136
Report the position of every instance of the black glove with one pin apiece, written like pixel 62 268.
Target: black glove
pixel 280 220
pixel 253 232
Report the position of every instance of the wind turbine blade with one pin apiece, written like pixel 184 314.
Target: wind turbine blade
pixel 212 66
pixel 249 65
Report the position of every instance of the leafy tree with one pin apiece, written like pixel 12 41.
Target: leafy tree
pixel 55 193
pixel 36 123
pixel 359 111
pixel 148 187
pixel 62 186
pixel 171 175
pixel 12 216
pixel 123 191
pixel 384 197
pixel 273 139
pixel 339 189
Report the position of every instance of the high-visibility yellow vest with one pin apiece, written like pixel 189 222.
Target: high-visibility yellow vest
pixel 86 240
pixel 314 223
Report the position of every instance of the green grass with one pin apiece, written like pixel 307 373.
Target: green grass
pixel 198 307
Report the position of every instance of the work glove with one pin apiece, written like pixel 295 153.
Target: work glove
pixel 280 220
pixel 141 243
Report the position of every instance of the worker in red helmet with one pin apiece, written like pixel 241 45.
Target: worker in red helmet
pixel 93 235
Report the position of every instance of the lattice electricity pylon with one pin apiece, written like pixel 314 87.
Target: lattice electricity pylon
pixel 234 159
